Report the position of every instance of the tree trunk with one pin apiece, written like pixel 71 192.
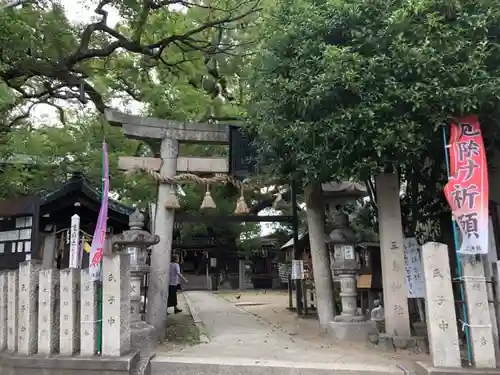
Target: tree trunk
pixel 319 254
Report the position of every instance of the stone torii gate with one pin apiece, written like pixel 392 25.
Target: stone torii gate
pixel 169 134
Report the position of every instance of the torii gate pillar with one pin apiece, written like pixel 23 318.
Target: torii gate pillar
pixel 170 133
pixel 161 254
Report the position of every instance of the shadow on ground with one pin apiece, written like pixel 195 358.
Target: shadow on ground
pixel 270 307
pixel 181 330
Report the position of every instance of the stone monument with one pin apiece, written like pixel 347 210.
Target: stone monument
pixel 116 340
pixel 12 310
pixel 440 306
pixel 442 321
pixel 27 324
pixel 479 319
pixel 397 318
pixel 48 322
pixel 48 319
pixel 69 316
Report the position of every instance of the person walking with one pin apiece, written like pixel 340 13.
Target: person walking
pixel 174 284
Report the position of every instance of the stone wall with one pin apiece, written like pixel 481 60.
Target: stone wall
pixel 14 364
pixel 49 320
pixel 441 315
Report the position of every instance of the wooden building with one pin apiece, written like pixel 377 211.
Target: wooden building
pixel 18 230
pixel 26 222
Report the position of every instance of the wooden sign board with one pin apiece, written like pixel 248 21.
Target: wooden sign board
pixel 365 282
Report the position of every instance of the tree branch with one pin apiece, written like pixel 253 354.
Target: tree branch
pixel 12 4
pixel 268 202
pixel 68 72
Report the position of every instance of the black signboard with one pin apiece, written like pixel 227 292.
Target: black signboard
pixel 242 153
pixel 18 231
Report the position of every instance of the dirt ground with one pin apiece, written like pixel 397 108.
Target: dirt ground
pixel 181 329
pixel 271 307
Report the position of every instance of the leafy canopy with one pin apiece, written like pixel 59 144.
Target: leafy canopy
pixel 346 88
pixel 43 158
pixel 180 59
pixel 44 58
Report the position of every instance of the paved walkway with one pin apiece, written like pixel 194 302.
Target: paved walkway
pixel 234 333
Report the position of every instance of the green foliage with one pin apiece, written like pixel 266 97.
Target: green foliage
pixel 348 88
pixel 362 217
pixel 45 58
pixel 42 158
pixel 181 60
pixel 194 81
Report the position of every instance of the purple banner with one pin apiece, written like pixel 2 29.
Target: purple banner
pixel 99 238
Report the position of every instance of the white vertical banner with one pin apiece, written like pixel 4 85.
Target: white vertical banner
pixel 74 243
pixel 297 269
pixel 413 269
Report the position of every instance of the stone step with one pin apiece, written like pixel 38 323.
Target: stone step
pixel 249 366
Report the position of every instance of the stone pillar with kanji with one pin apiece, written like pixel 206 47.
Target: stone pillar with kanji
pixel 115 304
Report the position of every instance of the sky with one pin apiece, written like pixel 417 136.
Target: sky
pixel 79 11
pixel 82 12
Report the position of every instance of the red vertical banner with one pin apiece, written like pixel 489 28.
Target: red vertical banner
pixel 467 187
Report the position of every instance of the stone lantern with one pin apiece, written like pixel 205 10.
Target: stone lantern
pixel 136 242
pixel 349 326
pixel 341 244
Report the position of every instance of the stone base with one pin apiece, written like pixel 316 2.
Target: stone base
pixel 178 365
pixel 351 329
pixel 420 329
pixel 422 368
pixel 13 364
pixel 387 343
pixel 142 338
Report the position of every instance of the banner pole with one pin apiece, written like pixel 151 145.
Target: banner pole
pixel 99 303
pixel 459 264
